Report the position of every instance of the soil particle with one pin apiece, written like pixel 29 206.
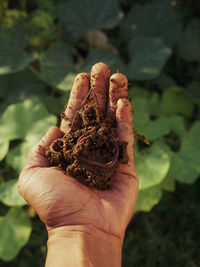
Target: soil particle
pixel 90 151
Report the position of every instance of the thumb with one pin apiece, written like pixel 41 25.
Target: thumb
pixel 37 156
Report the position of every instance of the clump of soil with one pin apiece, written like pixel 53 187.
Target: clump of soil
pixel 90 151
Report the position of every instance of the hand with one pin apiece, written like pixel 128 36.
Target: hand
pixel 60 200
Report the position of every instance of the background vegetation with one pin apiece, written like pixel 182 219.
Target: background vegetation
pixel 43 44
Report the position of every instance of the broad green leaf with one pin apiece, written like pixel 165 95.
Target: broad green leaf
pixel 9 194
pixel 15 229
pixel 155 129
pixel 110 58
pixel 143 109
pixel 141 112
pixel 27 120
pixel 165 81
pixel 152 20
pixel 57 67
pixel 12 46
pixel 178 125
pixel 78 17
pixel 19 86
pixel 18 155
pixel 152 165
pixel 41 19
pixel 168 184
pixel 175 101
pixel 4 147
pixel 56 104
pixel 193 89
pixel 189 42
pixel 148 56
pixel 185 165
pixel 148 198
pixel 136 91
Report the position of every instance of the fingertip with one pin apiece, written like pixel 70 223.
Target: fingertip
pixel 118 88
pixel 79 92
pixel 100 75
pixel 101 67
pixel 120 79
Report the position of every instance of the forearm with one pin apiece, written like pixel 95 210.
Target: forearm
pixel 82 246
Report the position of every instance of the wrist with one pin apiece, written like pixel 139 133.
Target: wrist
pixel 83 246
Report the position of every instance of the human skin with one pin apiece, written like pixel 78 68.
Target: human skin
pixel 85 226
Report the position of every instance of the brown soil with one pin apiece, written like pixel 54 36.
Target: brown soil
pixel 90 151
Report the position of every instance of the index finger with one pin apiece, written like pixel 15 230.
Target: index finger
pixel 78 93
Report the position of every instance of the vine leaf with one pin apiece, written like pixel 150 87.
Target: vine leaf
pixel 152 166
pixel 148 56
pixel 175 101
pixel 15 229
pixel 27 121
pixel 152 20
pixel 189 42
pixel 13 60
pixel 57 67
pixel 148 198
pixel 4 147
pixel 9 194
pixel 76 23
pixel 185 164
pixel 16 87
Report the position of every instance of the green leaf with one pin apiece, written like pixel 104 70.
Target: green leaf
pixel 57 67
pixel 56 104
pixel 9 194
pixel 143 109
pixel 141 112
pixel 175 101
pixel 193 89
pixel 27 120
pixel 152 166
pixel 110 58
pixel 19 86
pixel 155 129
pixel 148 198
pixel 185 165
pixel 178 125
pixel 41 19
pixel 4 147
pixel 15 229
pixel 168 184
pixel 17 156
pixel 152 20
pixel 148 56
pixel 189 42
pixel 97 15
pixel 12 46
pixel 165 81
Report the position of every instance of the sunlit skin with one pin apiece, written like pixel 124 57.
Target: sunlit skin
pixel 65 205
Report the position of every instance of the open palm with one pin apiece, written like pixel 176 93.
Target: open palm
pixel 60 200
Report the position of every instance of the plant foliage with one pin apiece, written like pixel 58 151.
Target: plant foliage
pixel 45 43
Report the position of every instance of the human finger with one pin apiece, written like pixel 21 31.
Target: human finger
pixel 79 92
pixel 118 88
pixel 124 121
pixel 100 75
